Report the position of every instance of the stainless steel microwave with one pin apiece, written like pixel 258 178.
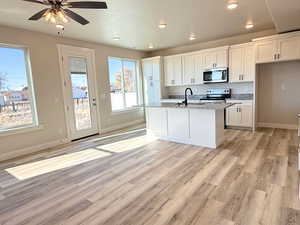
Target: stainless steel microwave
pixel 215 76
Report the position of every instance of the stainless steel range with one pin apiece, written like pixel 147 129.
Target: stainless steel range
pixel 216 96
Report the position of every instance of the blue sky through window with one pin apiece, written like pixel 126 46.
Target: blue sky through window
pixel 13 68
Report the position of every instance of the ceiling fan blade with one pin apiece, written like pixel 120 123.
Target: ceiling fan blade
pixel 36 1
pixel 87 5
pixel 76 17
pixel 38 15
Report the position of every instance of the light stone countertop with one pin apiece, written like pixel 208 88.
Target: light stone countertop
pixel 213 106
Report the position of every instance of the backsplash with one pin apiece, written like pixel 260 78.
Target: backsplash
pixel 236 88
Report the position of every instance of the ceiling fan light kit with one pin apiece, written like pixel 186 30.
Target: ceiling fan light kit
pixel 58 11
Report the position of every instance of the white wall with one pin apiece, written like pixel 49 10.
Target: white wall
pixel 48 88
pixel 279 93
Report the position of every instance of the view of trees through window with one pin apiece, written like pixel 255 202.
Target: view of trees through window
pixel 15 97
pixel 123 83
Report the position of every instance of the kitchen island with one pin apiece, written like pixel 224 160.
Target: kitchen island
pixel 196 124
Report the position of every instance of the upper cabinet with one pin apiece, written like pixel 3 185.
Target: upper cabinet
pixel 216 58
pixel 278 48
pixel 173 70
pixel 241 63
pixel 192 69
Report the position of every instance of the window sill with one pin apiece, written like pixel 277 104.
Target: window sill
pixel 128 110
pixel 21 130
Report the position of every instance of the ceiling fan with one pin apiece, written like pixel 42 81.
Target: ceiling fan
pixel 58 10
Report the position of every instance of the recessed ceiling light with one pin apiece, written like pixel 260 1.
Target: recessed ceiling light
pixel 192 37
pixel 60 26
pixel 162 25
pixel 116 38
pixel 151 46
pixel 249 26
pixel 232 5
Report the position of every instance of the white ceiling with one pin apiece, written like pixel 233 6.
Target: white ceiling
pixel 136 21
pixel 285 14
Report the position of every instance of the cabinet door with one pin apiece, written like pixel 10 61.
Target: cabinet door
pixel 233 116
pixel 289 48
pixel 169 71
pixel 221 58
pixel 209 60
pixel 246 116
pixel 249 63
pixel 147 70
pixel 265 51
pixel 177 70
pixel 156 69
pixel 188 62
pixel 178 124
pixel 199 68
pixel 236 64
pixel 157 121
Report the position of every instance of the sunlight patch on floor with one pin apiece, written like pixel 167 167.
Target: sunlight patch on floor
pixel 128 144
pixel 30 170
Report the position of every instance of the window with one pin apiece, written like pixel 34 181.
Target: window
pixel 17 108
pixel 123 83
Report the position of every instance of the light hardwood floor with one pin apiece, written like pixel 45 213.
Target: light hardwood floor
pixel 251 179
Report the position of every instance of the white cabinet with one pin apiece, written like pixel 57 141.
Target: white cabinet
pixel 277 48
pixel 188 63
pixel 173 70
pixel 192 69
pixel 265 51
pixel 157 121
pixel 216 58
pixel 178 124
pixel 288 48
pixel 240 115
pixel 152 79
pixel 196 126
pixel 241 63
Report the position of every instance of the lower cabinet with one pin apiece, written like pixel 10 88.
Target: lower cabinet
pixel 240 115
pixel 157 121
pixel 178 124
pixel 201 127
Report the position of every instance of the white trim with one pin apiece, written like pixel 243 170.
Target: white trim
pixel 127 110
pixel 32 149
pixel 122 125
pixel 278 125
pixel 138 87
pixel 80 52
pixel 30 85
pixel 276 36
pixel 20 130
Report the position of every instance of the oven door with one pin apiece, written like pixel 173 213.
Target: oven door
pixel 215 76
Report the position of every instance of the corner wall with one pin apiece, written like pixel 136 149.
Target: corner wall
pixel 48 88
pixel 278 94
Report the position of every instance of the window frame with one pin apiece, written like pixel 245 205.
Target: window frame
pixel 35 120
pixel 137 85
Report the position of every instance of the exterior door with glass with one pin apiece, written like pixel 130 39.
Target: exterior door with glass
pixel 79 83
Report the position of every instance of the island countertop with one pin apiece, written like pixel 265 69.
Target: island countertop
pixel 211 106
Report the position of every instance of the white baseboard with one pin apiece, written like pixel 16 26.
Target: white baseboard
pixel 31 149
pixel 122 125
pixel 278 125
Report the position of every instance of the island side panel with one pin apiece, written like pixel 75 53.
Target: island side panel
pixel 156 122
pixel 178 125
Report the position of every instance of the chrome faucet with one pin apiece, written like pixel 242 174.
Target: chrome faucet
pixel 185 102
